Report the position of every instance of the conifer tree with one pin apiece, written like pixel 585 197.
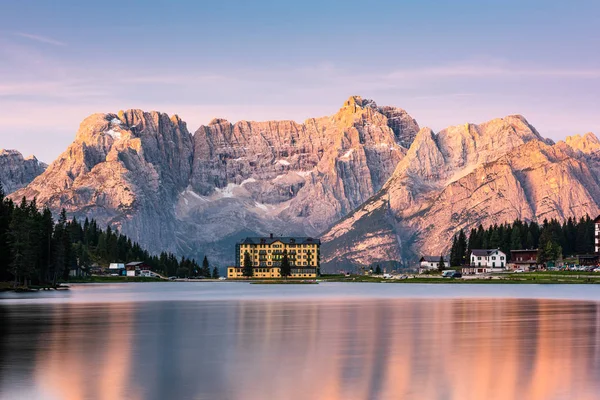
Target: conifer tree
pixel 286 269
pixel 441 264
pixel 205 268
pixel 248 272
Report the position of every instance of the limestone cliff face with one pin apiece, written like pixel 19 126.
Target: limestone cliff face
pixel 289 178
pixel 126 171
pixel 460 178
pixel 17 172
pixel 377 185
pixel 144 174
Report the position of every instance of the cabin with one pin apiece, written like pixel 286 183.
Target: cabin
pixel 134 268
pixel 589 260
pixel 524 259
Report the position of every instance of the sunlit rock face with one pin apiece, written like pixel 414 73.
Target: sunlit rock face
pixel 366 179
pixel 146 175
pixel 462 177
pixel 125 170
pixel 16 171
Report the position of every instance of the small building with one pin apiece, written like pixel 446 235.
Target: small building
pixel 523 259
pixel 134 268
pixel 116 266
pixel 483 261
pixel 589 260
pixel 427 263
pixel 266 254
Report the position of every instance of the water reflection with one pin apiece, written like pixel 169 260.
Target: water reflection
pixel 384 349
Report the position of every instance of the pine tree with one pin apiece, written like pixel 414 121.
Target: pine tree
pixel 215 273
pixel 378 270
pixel 205 268
pixel 19 243
pixel 248 271
pixel 529 242
pixel 6 213
pixel 286 269
pixel 461 248
pixel 454 256
pixel 441 264
pixel 515 239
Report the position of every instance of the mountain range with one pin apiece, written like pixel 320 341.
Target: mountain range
pixel 368 180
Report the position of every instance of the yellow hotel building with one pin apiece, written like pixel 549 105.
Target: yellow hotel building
pixel 266 253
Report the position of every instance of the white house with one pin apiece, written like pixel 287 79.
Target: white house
pixel 483 261
pixel 431 262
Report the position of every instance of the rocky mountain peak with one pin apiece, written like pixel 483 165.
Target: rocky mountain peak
pixel 16 171
pixel 218 121
pixel 358 101
pixel 587 143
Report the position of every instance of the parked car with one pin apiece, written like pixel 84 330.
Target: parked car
pixel 519 270
pixel 597 269
pixel 172 278
pixel 450 273
pixel 222 278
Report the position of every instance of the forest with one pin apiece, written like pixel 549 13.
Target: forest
pixel 36 249
pixel 553 239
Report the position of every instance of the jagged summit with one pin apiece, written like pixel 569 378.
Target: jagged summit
pixel 587 143
pixel 358 101
pixel 144 174
pixel 16 171
pixel 387 188
pixel 217 121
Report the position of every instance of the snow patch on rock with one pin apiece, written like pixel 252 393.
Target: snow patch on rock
pixel 114 134
pixel 347 155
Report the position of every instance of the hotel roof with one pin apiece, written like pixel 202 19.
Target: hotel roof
pixel 282 239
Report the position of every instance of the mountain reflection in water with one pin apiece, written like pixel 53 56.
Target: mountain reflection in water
pixel 367 349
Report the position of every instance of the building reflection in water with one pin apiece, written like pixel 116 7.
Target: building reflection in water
pixel 396 349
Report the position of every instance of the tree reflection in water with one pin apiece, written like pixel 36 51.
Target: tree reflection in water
pixel 370 349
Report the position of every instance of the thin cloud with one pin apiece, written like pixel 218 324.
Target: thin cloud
pixel 41 39
pixel 476 71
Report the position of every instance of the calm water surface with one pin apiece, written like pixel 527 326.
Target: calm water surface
pixel 328 341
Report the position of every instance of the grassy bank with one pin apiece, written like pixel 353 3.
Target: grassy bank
pixel 114 279
pixel 283 282
pixel 523 278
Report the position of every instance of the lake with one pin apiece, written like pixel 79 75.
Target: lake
pixel 346 341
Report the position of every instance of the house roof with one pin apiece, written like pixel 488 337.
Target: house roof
pixel 483 252
pixel 432 259
pixel 133 264
pixel 524 251
pixel 282 239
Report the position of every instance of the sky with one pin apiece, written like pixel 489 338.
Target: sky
pixel 445 62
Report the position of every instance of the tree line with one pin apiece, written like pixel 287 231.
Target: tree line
pixel 35 249
pixel 552 239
